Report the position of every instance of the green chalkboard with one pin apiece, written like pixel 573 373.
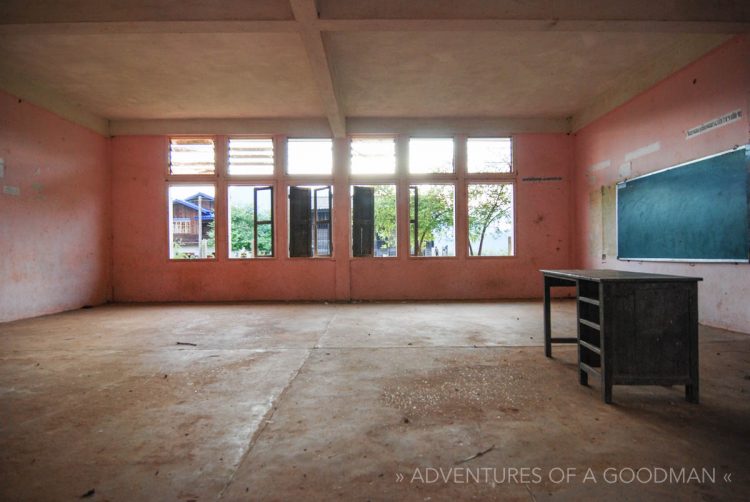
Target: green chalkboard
pixel 698 211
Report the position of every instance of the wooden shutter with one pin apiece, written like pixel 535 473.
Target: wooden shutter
pixel 363 221
pixel 300 224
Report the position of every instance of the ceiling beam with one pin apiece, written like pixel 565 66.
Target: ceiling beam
pixel 113 28
pixel 343 25
pixel 531 25
pixel 306 14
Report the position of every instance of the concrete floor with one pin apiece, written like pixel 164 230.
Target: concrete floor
pixel 322 402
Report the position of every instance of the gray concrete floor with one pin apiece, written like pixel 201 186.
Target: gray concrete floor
pixel 323 402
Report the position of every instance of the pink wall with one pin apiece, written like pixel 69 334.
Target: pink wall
pixel 713 86
pixel 55 233
pixel 142 271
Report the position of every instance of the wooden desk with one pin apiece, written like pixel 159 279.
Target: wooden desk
pixel 632 328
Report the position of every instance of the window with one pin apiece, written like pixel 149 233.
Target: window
pixel 433 155
pixel 250 221
pixel 431 220
pixel 489 155
pixel 309 156
pixel 250 156
pixel 373 156
pixel 491 219
pixel 310 221
pixel 374 220
pixel 191 222
pixel 192 156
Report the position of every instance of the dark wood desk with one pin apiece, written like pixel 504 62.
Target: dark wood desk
pixel 632 328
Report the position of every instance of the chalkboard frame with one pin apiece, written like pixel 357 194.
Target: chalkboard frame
pixel 623 183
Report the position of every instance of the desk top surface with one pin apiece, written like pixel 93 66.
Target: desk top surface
pixel 606 275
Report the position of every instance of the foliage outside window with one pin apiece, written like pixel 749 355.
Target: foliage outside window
pixel 431 220
pixel 250 221
pixel 491 219
pixel 489 155
pixel 192 222
pixel 374 220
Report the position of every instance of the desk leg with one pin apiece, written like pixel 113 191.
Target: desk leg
pixel 691 389
pixel 547 328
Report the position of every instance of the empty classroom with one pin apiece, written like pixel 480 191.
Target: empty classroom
pixel 374 250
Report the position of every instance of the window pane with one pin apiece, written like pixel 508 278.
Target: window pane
pixel 309 156
pixel 491 220
pixel 242 214
pixel 374 220
pixel 191 222
pixel 373 156
pixel 322 222
pixel 489 155
pixel 431 155
pixel 432 227
pixel 191 156
pixel 310 221
pixel 250 156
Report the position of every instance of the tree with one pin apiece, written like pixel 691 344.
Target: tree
pixel 242 220
pixel 435 213
pixel 487 205
pixel 385 215
pixel 241 223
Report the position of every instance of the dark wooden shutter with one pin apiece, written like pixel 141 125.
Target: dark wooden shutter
pixel 363 221
pixel 300 224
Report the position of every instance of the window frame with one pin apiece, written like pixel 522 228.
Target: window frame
pixel 313 187
pixel 213 138
pixel 170 232
pixel 510 138
pixel 514 224
pixel 372 184
pixel 252 176
pixel 255 186
pixel 412 183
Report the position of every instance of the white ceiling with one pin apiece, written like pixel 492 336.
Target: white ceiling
pixel 127 59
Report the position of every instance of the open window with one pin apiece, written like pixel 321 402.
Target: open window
pixel 490 219
pixel 489 155
pixel 373 156
pixel 192 156
pixel 250 156
pixel 310 221
pixel 374 220
pixel 250 221
pixel 191 222
pixel 431 220
pixel 309 156
pixel 431 155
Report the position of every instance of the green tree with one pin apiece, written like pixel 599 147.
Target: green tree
pixel 435 214
pixel 385 214
pixel 487 205
pixel 241 223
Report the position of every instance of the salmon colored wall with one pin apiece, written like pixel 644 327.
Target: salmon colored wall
pixel 55 234
pixel 713 86
pixel 142 271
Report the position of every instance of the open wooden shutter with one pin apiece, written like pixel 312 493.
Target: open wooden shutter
pixel 363 221
pixel 300 223
pixel 322 221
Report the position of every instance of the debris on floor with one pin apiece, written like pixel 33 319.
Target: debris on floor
pixel 476 455
pixel 187 343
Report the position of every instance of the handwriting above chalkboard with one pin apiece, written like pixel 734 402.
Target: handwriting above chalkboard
pixel 541 180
